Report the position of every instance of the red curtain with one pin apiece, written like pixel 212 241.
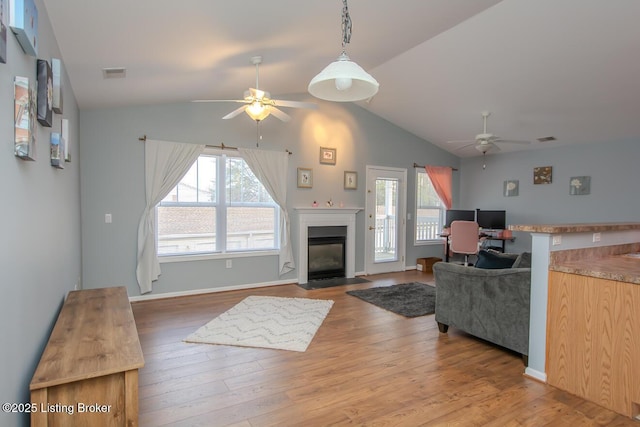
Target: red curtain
pixel 440 177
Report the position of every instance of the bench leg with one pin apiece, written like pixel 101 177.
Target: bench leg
pixel 443 328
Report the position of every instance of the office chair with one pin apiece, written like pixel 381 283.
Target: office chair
pixel 464 238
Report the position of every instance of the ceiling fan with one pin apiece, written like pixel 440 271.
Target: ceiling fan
pixel 258 103
pixel 485 141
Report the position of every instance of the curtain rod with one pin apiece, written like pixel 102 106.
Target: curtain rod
pixel 415 165
pixel 143 138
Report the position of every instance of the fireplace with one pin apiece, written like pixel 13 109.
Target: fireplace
pixel 326 252
pixel 309 218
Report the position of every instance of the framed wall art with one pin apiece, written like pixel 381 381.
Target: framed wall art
pixel 45 93
pixel 56 70
pixel 510 188
pixel 24 116
pixel 57 151
pixel 64 135
pixel 23 19
pixel 305 178
pixel 350 180
pixel 4 17
pixel 579 185
pixel 327 156
pixel 542 175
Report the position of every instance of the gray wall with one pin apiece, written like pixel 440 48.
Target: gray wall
pixel 40 219
pixel 614 185
pixel 113 180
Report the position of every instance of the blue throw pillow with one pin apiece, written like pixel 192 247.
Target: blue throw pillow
pixel 494 260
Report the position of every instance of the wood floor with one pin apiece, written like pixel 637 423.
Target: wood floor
pixel 365 366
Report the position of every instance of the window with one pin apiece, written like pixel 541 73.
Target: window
pixel 218 207
pixel 430 210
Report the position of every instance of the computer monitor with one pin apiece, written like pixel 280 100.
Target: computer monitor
pixel 458 215
pixel 492 220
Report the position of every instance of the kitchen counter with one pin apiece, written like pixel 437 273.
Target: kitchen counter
pixel 620 268
pixel 576 228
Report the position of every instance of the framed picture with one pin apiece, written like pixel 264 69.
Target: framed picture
pixel 542 175
pixel 24 115
pixel 4 20
pixel 328 156
pixel 305 178
pixel 56 69
pixel 45 93
pixel 579 185
pixel 57 151
pixel 23 19
pixel 510 188
pixel 64 135
pixel 350 180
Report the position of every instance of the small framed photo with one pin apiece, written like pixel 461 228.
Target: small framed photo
pixel 510 188
pixel 305 178
pixel 542 175
pixel 579 185
pixel 350 180
pixel 327 156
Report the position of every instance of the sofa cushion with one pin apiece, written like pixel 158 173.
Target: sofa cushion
pixel 488 259
pixel 523 261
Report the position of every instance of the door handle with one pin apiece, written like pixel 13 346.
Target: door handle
pixel 371 228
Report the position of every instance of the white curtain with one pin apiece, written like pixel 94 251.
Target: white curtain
pixel 271 168
pixel 165 163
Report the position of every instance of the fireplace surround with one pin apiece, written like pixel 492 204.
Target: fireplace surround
pixel 326 217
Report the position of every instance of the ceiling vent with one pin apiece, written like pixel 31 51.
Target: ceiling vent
pixel 547 139
pixel 114 73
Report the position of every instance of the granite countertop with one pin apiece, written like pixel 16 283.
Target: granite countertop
pixel 576 228
pixel 622 268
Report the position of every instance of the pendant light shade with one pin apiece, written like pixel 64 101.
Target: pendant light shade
pixel 343 81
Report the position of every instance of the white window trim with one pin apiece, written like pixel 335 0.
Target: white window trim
pixel 171 258
pixel 218 255
pixel 437 240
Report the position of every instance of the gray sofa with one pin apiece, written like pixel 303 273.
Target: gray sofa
pixel 492 304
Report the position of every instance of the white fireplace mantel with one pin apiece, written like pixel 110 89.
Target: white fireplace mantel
pixel 325 217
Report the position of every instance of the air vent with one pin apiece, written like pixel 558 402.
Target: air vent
pixel 547 139
pixel 114 73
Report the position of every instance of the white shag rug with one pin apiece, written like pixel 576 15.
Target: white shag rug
pixel 267 322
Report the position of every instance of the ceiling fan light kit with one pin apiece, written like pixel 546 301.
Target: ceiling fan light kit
pixel 343 80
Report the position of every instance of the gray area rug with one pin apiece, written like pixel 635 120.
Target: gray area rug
pixel 408 299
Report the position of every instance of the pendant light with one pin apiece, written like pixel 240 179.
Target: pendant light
pixel 343 80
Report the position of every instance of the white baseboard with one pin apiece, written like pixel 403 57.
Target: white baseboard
pixel 536 375
pixel 149 297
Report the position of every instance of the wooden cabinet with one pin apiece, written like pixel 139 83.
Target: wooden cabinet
pixel 593 340
pixel 88 373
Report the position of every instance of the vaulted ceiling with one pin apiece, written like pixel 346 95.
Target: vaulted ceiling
pixel 563 68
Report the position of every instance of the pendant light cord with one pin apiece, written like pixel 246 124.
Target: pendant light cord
pixel 346 25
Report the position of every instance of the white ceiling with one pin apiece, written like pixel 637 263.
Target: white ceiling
pixel 563 68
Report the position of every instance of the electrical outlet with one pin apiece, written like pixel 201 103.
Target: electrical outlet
pixel 557 240
pixel 596 237
pixel 229 263
pixel 108 218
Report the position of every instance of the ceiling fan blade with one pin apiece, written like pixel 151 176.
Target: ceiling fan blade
pixel 294 104
pixel 220 100
pixel 234 113
pixel 465 146
pixel 279 114
pixel 461 141
pixel 512 141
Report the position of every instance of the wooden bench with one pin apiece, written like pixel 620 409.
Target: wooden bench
pixel 88 373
